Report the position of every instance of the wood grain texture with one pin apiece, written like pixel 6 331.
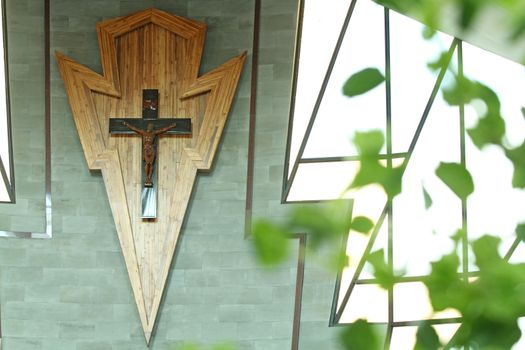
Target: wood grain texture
pixel 149 50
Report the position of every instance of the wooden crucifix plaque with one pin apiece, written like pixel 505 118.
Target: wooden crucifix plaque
pixel 145 51
pixel 150 128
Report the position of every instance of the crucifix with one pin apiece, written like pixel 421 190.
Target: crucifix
pixel 149 127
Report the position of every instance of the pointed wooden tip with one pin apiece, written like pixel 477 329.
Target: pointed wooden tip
pixel 147 335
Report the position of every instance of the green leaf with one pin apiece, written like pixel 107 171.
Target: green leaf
pixel 458 236
pixel 457 178
pixel 428 33
pixel 443 279
pixel 271 242
pixel 440 62
pixel 427 198
pixel 324 223
pixel 362 224
pixel 520 231
pixel 369 143
pixel 382 271
pixel 490 129
pixel 372 172
pixel 468 12
pixel 360 335
pixel 518 27
pixel 517 157
pixel 362 82
pixel 391 180
pixel 486 251
pixel 427 338
pixel 461 92
pixel 523 111
pixel 338 261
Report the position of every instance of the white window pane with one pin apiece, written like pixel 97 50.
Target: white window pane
pixel 368 301
pixel 4 196
pixel 519 254
pixel 321 27
pixel 411 80
pixel 339 116
pixel 322 180
pixel 494 207
pixel 403 338
pixel 355 249
pixel 422 236
pixel 446 331
pixel 412 303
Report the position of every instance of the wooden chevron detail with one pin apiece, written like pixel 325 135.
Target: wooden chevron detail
pixel 150 49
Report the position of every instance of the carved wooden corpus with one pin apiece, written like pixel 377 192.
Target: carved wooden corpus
pixel 150 49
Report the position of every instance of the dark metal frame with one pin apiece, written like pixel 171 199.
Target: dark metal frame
pixel 253 114
pixel 48 231
pixel 289 176
pixel 296 326
pixel 9 179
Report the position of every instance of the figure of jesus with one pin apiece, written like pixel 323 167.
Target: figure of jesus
pixel 148 148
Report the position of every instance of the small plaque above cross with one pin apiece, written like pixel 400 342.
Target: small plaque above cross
pixel 149 127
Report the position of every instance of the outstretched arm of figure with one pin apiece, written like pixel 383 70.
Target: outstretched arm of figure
pixel 137 130
pixel 167 128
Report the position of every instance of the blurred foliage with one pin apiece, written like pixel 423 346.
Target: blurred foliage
pixel 371 171
pixel 427 338
pixel 382 272
pixel 490 301
pixel 325 224
pixel 361 335
pixel 457 178
pixel 517 157
pixel 427 198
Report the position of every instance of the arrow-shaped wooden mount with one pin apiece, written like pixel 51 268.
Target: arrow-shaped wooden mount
pixel 150 49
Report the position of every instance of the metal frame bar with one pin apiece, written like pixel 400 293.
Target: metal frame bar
pixel 296 326
pixel 48 231
pixel 250 183
pixel 9 179
pixel 6 180
pixel 390 208
pixel 253 114
pixel 295 75
pixel 464 221
pixel 413 323
pixel 388 157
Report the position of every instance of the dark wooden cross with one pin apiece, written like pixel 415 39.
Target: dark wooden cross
pixel 149 127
